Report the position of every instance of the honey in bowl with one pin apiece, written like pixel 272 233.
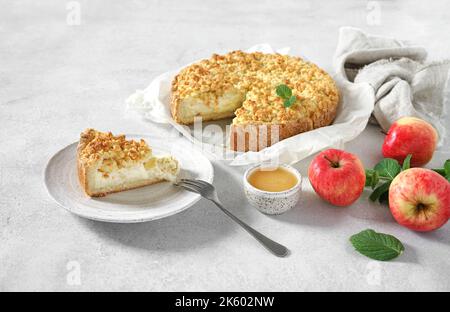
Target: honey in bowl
pixel 272 180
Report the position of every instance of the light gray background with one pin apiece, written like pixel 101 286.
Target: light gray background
pixel 57 79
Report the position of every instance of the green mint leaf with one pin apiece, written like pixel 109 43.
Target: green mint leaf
pixel 447 169
pixel 388 168
pixel 369 177
pixel 284 92
pixel 372 178
pixel 441 171
pixel 375 179
pixel 384 198
pixel 377 246
pixel 447 166
pixel 380 190
pixel 407 162
pixel 289 102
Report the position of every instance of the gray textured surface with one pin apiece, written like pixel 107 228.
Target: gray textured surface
pixel 58 79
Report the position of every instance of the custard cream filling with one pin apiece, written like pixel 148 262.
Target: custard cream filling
pixel 153 169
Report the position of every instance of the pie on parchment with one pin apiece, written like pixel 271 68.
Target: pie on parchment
pixel 244 85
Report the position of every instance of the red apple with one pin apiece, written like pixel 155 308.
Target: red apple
pixel 420 199
pixel 337 176
pixel 410 135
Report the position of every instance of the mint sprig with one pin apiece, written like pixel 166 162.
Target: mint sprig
pixel 380 190
pixel 388 168
pixel 284 92
pixel 372 178
pixel 384 172
pixel 377 246
pixel 380 177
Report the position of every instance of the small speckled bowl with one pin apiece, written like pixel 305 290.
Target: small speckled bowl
pixel 273 202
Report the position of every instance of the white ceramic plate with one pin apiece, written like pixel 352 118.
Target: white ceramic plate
pixel 142 204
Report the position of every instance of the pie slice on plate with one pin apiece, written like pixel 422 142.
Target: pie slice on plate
pixel 109 164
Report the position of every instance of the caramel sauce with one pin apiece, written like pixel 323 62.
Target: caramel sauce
pixel 272 180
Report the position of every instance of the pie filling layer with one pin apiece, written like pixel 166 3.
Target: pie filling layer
pixel 224 106
pixel 155 169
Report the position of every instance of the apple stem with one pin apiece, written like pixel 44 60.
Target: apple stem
pixel 384 132
pixel 333 163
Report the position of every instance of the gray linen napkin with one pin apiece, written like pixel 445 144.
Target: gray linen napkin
pixel 404 84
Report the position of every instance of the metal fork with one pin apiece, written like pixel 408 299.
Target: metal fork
pixel 208 191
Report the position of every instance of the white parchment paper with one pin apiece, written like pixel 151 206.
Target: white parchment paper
pixel 355 107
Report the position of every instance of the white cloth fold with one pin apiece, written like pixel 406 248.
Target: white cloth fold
pixel 402 82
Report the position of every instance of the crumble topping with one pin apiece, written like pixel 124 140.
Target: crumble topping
pixel 113 151
pixel 257 75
